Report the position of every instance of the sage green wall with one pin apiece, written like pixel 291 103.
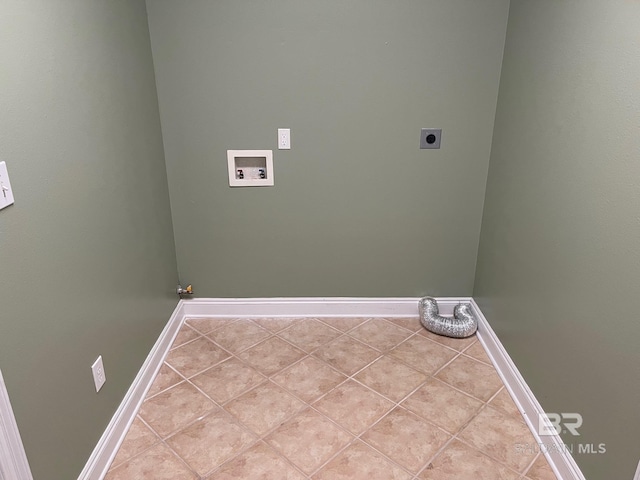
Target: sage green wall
pixel 357 209
pixel 87 260
pixel 559 262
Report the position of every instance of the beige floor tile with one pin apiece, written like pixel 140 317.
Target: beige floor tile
pixel 459 461
pixel 227 380
pixel 166 377
pixel 344 324
pixel 477 351
pixel 503 402
pixel 211 441
pixel 309 334
pixel 455 343
pixel 308 440
pixel 380 334
pixel 442 405
pixel 207 325
pixel 195 357
pixel 158 463
pixel 410 323
pixel 185 335
pixel 260 462
pixel 272 355
pixel 276 324
pixel 309 378
pixel 540 470
pixel 264 407
pixel 265 383
pixel 360 462
pixel 391 378
pixel 498 435
pixel 138 439
pixel 353 406
pixel 406 438
pixel 423 354
pixel 239 335
pixel 174 408
pixel 475 378
pixel 347 354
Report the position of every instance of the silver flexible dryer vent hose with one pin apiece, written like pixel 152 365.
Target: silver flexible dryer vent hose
pixel 463 324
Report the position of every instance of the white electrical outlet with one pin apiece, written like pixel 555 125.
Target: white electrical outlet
pixel 284 139
pixel 98 373
pixel 6 194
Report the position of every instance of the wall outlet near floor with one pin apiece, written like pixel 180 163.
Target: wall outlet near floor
pixel 98 373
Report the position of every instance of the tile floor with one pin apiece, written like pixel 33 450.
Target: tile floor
pixel 326 398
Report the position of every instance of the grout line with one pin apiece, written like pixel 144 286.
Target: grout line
pixel 357 438
pixel 494 459
pixel 185 343
pixel 259 441
pixel 161 441
pixel 243 349
pixel 435 455
pixel 114 465
pixel 309 353
pixel 231 321
pixel 335 455
pixel 382 453
pixel 463 427
pixel 181 459
pixel 234 421
pixel 182 379
pixel 344 331
pixel 307 350
pixel 528 467
pixel 140 453
pixel 319 397
pixel 187 377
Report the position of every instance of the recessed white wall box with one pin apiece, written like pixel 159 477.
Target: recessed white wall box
pixel 6 194
pixel 250 168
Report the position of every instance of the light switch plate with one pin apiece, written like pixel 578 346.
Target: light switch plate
pixel 6 193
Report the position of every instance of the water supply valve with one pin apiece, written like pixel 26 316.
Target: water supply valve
pixel 184 291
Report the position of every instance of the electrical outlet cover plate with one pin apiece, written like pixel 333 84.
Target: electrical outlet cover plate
pixel 6 193
pixel 98 373
pixel 430 137
pixel 284 139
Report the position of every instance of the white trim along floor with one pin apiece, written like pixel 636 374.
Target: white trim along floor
pixel 560 460
pixel 13 459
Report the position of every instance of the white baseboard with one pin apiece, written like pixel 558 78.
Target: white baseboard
pixel 13 459
pixel 107 447
pixel 312 307
pixel 560 459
